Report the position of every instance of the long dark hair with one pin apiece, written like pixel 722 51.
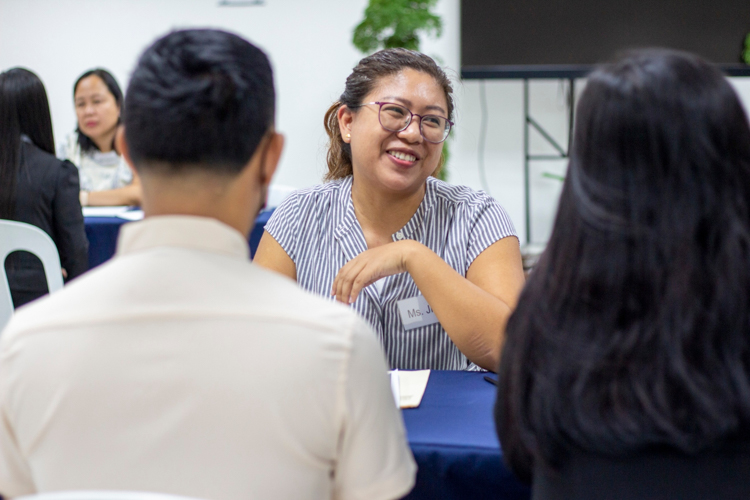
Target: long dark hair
pixel 634 330
pixel 83 140
pixel 359 83
pixel 24 109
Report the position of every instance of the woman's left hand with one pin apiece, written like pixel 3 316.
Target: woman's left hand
pixel 368 267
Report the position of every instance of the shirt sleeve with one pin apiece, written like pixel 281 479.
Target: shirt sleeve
pixel 374 461
pixel 67 222
pixel 15 473
pixel 491 223
pixel 284 223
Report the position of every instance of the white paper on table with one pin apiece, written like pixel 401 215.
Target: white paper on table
pixel 104 211
pixel 131 215
pixel 408 386
pixel 395 389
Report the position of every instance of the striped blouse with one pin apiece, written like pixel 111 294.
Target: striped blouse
pixel 317 228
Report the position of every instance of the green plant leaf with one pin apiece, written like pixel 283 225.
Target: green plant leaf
pixel 396 23
pixel 550 175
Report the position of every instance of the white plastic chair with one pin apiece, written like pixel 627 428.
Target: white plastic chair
pixel 20 236
pixel 102 495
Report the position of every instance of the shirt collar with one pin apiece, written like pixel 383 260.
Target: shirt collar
pixel 411 230
pixel 184 231
pixel 414 228
pixel 348 218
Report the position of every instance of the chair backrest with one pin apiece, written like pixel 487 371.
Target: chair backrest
pixel 21 236
pixel 102 495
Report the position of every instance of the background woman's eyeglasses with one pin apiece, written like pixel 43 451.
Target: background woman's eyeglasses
pixel 395 118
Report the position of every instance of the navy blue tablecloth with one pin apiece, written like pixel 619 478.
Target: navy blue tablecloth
pixel 452 436
pixel 102 234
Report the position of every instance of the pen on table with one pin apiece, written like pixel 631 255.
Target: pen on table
pixel 490 380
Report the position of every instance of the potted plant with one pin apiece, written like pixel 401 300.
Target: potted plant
pixel 396 23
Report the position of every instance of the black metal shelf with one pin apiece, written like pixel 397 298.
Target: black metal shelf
pixel 551 72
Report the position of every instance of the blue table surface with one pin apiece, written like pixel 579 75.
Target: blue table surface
pixel 452 435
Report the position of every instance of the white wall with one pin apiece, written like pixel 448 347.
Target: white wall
pixel 309 43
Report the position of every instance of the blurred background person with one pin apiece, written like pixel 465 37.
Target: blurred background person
pixel 105 177
pixel 626 368
pixel 36 188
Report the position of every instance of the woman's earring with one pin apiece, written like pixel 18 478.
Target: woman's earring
pixel 348 136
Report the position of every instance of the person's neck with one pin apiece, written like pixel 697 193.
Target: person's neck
pixel 204 197
pixel 381 214
pixel 104 143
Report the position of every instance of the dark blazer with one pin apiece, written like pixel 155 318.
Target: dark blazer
pixel 47 197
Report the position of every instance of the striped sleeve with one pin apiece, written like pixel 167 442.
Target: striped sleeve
pixel 491 224
pixel 283 225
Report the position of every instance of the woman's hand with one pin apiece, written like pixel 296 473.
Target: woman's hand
pixel 130 195
pixel 473 309
pixel 368 267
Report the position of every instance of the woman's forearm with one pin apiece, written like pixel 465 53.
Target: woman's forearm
pixel 128 195
pixel 473 318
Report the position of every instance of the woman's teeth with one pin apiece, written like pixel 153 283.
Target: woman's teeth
pixel 402 156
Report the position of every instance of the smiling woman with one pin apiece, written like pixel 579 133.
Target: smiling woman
pixel 435 268
pixel 105 177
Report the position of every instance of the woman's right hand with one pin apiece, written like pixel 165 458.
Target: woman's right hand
pixel 370 266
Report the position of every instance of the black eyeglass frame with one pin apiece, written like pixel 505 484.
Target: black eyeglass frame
pixel 411 117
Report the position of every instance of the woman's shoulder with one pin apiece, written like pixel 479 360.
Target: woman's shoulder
pixel 330 188
pixel 459 195
pixel 471 209
pixel 319 194
pixel 307 207
pixel 36 157
pixel 46 169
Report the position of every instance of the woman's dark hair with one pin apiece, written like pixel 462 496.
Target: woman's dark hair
pixel 633 332
pixel 83 140
pixel 199 98
pixel 362 81
pixel 24 109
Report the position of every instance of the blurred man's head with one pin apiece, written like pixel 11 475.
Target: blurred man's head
pixel 199 115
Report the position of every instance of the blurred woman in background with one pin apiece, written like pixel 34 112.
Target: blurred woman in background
pixel 35 187
pixel 626 369
pixel 105 177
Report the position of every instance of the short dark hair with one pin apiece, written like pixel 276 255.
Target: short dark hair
pixel 363 79
pixel 83 140
pixel 24 109
pixel 633 332
pixel 199 98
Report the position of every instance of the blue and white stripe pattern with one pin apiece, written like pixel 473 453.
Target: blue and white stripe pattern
pixel 319 231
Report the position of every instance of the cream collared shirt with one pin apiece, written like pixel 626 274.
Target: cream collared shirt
pixel 180 367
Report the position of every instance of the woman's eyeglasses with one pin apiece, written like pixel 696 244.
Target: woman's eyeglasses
pixel 395 118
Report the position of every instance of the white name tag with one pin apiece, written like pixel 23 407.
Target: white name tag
pixel 416 312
